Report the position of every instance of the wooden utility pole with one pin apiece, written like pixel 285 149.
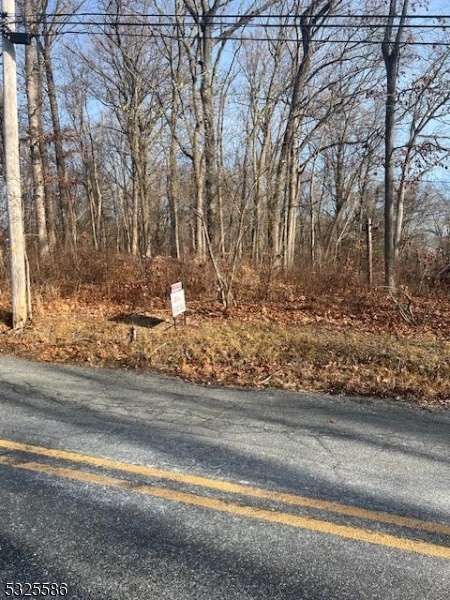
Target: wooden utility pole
pixel 12 172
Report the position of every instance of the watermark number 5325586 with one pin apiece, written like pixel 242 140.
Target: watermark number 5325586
pixel 36 590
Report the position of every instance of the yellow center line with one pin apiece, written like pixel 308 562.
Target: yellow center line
pixel 232 488
pixel 352 533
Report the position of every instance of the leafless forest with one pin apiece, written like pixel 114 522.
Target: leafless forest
pixel 280 134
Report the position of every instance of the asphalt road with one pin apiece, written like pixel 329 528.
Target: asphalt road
pixel 122 485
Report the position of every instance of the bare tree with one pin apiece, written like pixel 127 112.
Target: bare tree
pixel 211 41
pixel 310 21
pixel 51 18
pixel 391 51
pixel 126 73
pixel 33 81
pixel 424 105
pixel 85 137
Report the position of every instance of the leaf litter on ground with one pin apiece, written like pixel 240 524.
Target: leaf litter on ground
pixel 355 345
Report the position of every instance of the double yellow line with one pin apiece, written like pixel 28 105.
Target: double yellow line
pixel 273 516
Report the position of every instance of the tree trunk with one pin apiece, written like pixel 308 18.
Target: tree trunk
pixel 67 214
pixel 43 151
pixel 389 191
pixel 209 135
pixel 391 56
pixel 37 168
pixel 291 217
pixel 172 179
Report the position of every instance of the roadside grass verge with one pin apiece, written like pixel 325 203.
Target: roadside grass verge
pixel 259 346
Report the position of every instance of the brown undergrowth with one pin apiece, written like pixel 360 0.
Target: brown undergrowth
pixel 281 335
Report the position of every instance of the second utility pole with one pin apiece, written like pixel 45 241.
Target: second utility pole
pixel 12 173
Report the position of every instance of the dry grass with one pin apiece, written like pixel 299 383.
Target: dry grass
pixel 356 345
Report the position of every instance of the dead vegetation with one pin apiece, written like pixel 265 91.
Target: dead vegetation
pixel 282 333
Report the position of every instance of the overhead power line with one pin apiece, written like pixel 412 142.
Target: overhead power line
pixel 239 16
pixel 259 39
pixel 95 23
pixel 263 20
pixel 241 38
pixel 117 23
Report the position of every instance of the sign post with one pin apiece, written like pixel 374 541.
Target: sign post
pixel 177 300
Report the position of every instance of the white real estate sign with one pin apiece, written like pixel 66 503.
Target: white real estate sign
pixel 177 299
